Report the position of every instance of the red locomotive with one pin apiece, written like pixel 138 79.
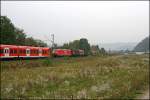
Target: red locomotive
pixel 67 52
pixel 13 51
pixel 62 52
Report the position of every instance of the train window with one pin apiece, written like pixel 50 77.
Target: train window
pixel 37 51
pixel 11 51
pixel 24 51
pixel 31 51
pixel 40 51
pixel 20 51
pixel 27 51
pixel 15 51
pixel 1 51
pixel 5 50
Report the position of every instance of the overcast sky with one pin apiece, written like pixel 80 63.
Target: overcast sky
pixel 98 21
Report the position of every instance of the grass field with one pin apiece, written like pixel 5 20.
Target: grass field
pixel 91 77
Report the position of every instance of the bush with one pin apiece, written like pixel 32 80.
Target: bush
pixel 66 58
pixel 47 62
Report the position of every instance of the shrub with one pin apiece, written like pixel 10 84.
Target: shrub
pixel 66 58
pixel 47 62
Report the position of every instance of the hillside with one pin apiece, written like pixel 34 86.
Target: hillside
pixel 118 46
pixel 142 46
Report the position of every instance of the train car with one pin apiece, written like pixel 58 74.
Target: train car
pixel 75 52
pixel 24 51
pixel 8 51
pixel 13 51
pixel 62 52
pixel 46 52
pixel 34 52
pixel 81 52
pixel 78 52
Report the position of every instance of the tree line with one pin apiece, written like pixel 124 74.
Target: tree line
pixel 9 34
pixel 78 44
pixel 83 45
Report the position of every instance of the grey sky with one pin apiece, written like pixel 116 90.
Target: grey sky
pixel 98 21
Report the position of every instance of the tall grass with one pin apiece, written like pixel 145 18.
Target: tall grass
pixel 118 77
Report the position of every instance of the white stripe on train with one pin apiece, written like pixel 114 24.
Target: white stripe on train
pixel 21 56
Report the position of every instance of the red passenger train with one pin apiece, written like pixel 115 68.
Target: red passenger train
pixel 13 51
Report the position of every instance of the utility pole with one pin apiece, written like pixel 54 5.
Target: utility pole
pixel 52 41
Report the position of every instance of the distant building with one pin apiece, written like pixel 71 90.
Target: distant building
pixel 139 53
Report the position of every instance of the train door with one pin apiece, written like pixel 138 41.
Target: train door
pixel 28 52
pixel 6 52
pixel 40 52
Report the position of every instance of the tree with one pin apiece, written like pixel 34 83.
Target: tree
pixel 84 45
pixel 7 31
pixel 30 42
pixel 74 45
pixel 40 43
pixel 9 34
pixel 55 45
pixel 65 46
pixel 103 51
pixel 20 36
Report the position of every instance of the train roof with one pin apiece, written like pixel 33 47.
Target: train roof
pixel 3 45
pixel 15 46
pixel 62 49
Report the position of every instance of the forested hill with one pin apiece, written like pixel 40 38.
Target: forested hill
pixel 143 46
